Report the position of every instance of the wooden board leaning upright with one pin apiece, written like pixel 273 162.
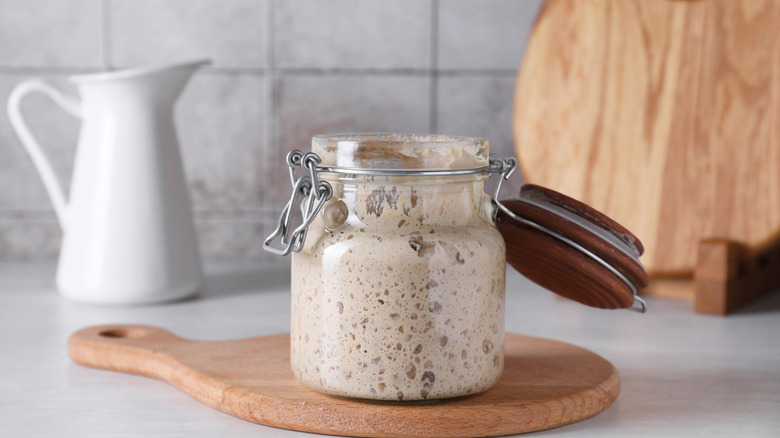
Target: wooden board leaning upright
pixel 664 115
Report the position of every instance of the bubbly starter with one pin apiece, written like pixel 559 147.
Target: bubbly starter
pixel 399 291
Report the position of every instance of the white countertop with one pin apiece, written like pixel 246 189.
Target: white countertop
pixel 682 374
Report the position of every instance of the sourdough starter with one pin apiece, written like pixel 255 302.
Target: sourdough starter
pixel 398 293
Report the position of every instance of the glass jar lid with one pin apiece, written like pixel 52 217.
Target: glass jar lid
pixel 400 151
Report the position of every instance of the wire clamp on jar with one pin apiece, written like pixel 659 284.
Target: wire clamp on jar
pixel 310 192
pixel 303 187
pixel 506 167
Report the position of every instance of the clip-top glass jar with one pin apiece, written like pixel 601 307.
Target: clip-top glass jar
pixel 398 271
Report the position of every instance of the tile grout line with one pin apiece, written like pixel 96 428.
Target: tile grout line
pixel 227 214
pixel 269 106
pixel 230 71
pixel 43 70
pixel 433 117
pixel 397 71
pixel 105 35
pixel 355 71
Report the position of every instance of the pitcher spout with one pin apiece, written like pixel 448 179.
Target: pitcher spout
pixel 164 82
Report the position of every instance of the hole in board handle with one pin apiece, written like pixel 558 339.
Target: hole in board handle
pixel 122 333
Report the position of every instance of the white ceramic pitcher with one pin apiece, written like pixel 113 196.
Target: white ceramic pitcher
pixel 128 235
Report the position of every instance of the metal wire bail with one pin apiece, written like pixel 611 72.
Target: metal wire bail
pixel 312 195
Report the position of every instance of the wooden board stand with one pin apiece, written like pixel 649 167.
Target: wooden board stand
pixel 729 275
pixel 545 384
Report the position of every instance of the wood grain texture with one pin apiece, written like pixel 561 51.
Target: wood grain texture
pixel 560 267
pixel 545 384
pixel 555 266
pixel 664 115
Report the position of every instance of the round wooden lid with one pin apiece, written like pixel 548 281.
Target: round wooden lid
pixel 572 249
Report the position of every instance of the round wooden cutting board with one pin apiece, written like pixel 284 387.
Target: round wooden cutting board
pixel 664 115
pixel 545 384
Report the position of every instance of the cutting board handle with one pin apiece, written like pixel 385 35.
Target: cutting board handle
pixel 136 349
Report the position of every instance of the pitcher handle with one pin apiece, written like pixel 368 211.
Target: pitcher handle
pixel 41 162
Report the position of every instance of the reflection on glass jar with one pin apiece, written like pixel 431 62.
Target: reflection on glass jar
pixel 398 292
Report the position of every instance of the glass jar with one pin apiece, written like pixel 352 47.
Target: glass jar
pixel 398 282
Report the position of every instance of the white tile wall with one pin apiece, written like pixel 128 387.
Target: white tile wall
pixel 283 70
pixel 221 138
pixel 29 235
pixel 236 236
pixel 308 105
pixel 480 105
pixel 349 34
pixel 50 33
pixel 229 32
pixel 484 34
